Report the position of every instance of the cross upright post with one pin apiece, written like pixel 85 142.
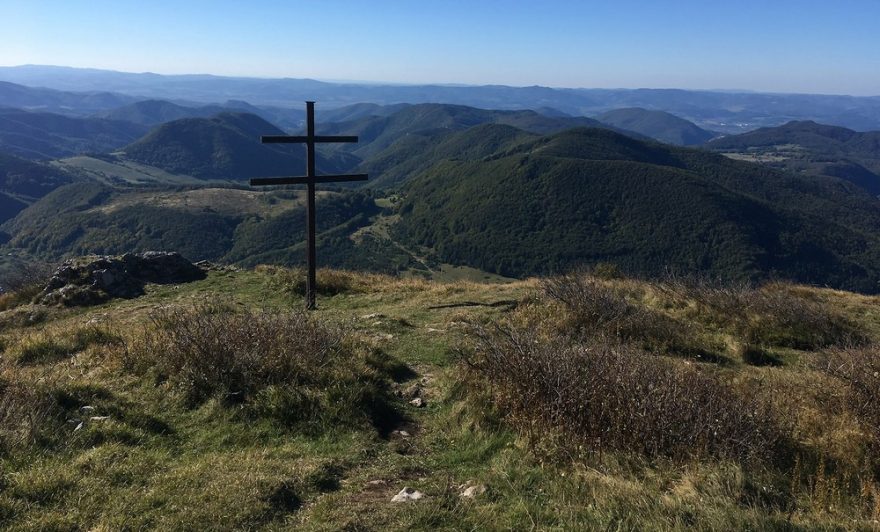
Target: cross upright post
pixel 310 179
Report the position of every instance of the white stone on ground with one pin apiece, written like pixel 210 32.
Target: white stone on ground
pixel 407 494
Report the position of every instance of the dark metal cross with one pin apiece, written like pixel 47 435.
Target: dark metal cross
pixel 310 179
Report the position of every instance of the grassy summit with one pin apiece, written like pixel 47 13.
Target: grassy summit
pixel 577 402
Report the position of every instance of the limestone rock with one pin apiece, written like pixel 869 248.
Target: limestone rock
pixel 471 490
pixel 407 494
pixel 418 402
pixel 90 281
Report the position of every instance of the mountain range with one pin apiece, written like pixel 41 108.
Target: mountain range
pixel 724 111
pixel 474 190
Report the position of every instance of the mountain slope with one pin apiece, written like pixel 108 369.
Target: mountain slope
pixel 23 181
pixel 48 136
pixel 658 125
pixel 812 148
pixel 228 225
pixel 39 98
pixel 588 196
pixel 379 132
pixel 416 152
pixel 226 146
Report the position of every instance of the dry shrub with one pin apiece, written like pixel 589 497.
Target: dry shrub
pixel 20 287
pixel 775 314
pixel 859 370
pixel 330 282
pixel 607 396
pixel 284 365
pixel 597 309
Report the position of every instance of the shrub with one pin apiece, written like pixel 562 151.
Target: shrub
pixel 781 317
pixel 22 286
pixel 773 314
pixel 330 282
pixel 859 370
pixel 284 365
pixel 611 396
pixel 597 309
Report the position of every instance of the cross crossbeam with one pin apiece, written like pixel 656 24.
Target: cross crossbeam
pixel 310 179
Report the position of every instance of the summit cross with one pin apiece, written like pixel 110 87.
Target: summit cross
pixel 310 179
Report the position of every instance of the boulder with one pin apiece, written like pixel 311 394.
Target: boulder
pixel 90 281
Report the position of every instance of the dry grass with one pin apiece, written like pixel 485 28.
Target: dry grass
pixel 606 396
pixel 859 370
pixel 775 314
pixel 598 308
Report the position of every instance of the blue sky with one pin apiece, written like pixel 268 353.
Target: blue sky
pixel 771 45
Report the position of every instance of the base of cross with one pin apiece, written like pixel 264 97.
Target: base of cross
pixel 310 180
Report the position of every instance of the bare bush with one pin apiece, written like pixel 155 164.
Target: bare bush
pixel 597 309
pixel 287 365
pixel 329 282
pixel 22 286
pixel 774 314
pixel 859 369
pixel 610 396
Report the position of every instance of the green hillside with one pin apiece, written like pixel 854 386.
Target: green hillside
pixel 219 224
pixel 153 112
pixel 811 148
pixel 590 196
pixel 416 152
pixel 36 135
pixel 379 132
pixel 226 146
pixel 23 181
pixel 658 125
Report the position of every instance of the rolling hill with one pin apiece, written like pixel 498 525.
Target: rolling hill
pixel 812 148
pixel 23 181
pixel 226 146
pixel 379 132
pixel 39 135
pixel 155 112
pixel 229 225
pixel 588 196
pixel 416 152
pixel 40 98
pixel 658 125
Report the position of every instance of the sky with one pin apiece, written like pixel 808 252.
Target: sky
pixel 830 46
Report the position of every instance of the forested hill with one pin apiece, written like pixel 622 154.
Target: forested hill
pixel 226 146
pixel 40 135
pixel 658 125
pixel 588 195
pixel 378 132
pixel 813 148
pixel 23 181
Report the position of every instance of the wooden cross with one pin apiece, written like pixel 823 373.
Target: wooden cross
pixel 310 179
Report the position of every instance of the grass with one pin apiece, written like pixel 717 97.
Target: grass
pixel 150 453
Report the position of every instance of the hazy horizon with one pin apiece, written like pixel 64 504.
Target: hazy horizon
pixel 439 84
pixel 786 47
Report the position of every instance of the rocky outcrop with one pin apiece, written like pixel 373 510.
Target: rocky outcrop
pixel 89 281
